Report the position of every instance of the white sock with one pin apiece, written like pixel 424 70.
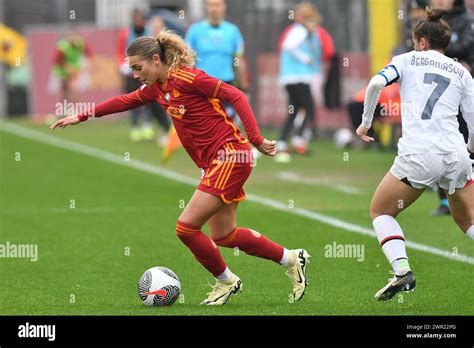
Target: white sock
pixel 226 275
pixel 470 232
pixel 285 258
pixel 401 266
pixel 391 239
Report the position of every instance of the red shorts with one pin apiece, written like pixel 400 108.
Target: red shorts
pixel 229 170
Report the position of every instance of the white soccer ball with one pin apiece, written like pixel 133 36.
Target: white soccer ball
pixel 343 137
pixel 159 286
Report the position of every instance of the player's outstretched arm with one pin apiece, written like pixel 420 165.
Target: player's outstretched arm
pixel 66 121
pixel 372 94
pixel 111 106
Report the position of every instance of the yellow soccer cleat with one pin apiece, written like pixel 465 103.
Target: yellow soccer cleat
pixel 297 272
pixel 222 290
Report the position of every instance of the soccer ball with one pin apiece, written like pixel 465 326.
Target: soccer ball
pixel 343 137
pixel 159 286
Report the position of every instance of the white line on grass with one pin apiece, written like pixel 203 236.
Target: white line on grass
pixel 325 182
pixel 149 168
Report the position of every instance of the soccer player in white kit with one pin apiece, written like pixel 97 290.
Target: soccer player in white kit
pixel 431 150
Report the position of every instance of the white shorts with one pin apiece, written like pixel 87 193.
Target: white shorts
pixel 450 171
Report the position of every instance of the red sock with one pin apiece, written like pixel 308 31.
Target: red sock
pixel 202 247
pixel 253 243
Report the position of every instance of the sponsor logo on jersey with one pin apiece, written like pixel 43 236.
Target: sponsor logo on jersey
pixel 176 93
pixel 177 112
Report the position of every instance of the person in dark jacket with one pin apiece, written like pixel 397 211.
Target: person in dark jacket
pixel 415 10
pixel 462 37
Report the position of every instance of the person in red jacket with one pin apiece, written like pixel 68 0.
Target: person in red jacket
pixel 193 99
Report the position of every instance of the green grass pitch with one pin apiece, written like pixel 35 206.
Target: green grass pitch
pixel 90 257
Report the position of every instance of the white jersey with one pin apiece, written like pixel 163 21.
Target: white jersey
pixel 432 88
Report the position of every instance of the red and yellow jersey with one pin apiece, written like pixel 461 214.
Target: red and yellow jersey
pixel 193 100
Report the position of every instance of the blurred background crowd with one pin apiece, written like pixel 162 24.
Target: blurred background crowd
pixel 303 65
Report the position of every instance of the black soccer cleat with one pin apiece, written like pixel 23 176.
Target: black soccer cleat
pixel 395 285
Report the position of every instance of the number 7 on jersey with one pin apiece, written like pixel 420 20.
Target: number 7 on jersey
pixel 442 83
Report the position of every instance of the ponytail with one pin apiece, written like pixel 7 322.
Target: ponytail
pixel 170 47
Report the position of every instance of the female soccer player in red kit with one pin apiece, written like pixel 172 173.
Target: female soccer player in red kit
pixel 193 99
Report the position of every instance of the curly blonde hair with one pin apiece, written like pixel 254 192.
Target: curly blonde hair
pixel 170 47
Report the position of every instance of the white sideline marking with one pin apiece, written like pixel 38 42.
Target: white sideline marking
pixel 149 168
pixel 325 182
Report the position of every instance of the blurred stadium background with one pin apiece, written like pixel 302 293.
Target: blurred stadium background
pixel 261 23
pixel 81 248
